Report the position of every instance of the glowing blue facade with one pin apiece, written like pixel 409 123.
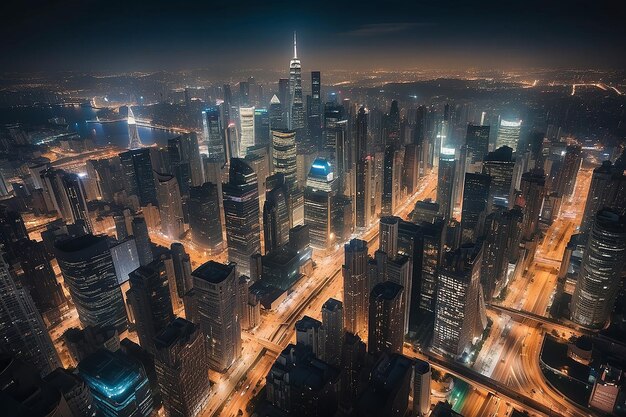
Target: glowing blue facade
pixel 119 384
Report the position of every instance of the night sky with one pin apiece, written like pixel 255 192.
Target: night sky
pixel 118 35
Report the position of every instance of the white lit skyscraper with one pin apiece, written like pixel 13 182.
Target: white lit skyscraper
pixel 295 90
pixel 508 133
pixel 246 114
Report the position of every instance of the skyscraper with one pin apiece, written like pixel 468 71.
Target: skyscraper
pixel 421 388
pixel 118 383
pixel 607 189
pixel 508 133
pixel 89 274
pixel 386 319
pixel 142 240
pixel 533 193
pixel 499 165
pixel 332 321
pixel 182 368
pixel 34 271
pixel 204 216
pixel 284 156
pixel 150 302
pixel 212 126
pixel 22 330
pixel 566 177
pixel 477 142
pixel 276 214
pixel 355 287
pixel 321 187
pixel 445 182
pixel 276 114
pixel 602 269
pixel 138 176
pixel 295 90
pixel 261 127
pixel 474 209
pixel 241 210
pixel 359 158
pixel 246 114
pixel 77 199
pixel 215 299
pixel 459 311
pixel 315 111
pixel 181 263
pixel 170 206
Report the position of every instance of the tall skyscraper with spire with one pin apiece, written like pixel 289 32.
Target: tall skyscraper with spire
pixel 296 118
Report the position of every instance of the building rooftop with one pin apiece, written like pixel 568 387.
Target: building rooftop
pixel 112 374
pixel 178 331
pixel 387 290
pixel 332 305
pixel 213 272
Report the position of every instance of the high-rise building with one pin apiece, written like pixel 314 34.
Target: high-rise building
pixel 421 388
pixel 181 264
pixel 25 394
pixel 213 129
pixel 296 119
pixel 185 161
pixel 315 110
pixel 392 179
pixel 411 167
pixel 310 335
pixel 261 127
pixel 332 320
pixel 321 187
pixel 284 156
pixel 300 384
pixel 138 178
pixel 142 240
pixel 459 310
pixel 508 133
pixel 386 319
pixel 566 177
pixel 607 189
pixel 533 194
pixel 150 302
pixel 276 214
pixel 475 205
pixel 499 165
pixel 215 306
pixel 204 216
pixel 602 269
pixel 356 288
pixel 77 199
pixel 387 393
pixel 118 383
pixel 33 270
pixel 477 142
pixel 170 206
pixel 246 115
pixel 182 369
pixel 360 159
pixel 353 353
pixel 241 210
pixel 125 258
pixel 276 114
pixel 445 182
pixel 74 390
pixel 22 330
pixel 89 274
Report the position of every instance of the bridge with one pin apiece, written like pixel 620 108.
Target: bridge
pixel 520 315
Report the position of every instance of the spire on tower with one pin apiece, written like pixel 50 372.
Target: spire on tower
pixel 295 52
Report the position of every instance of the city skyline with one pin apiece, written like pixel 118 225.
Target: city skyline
pixel 310 241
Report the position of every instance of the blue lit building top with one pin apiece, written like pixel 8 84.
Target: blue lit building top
pixel 118 384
